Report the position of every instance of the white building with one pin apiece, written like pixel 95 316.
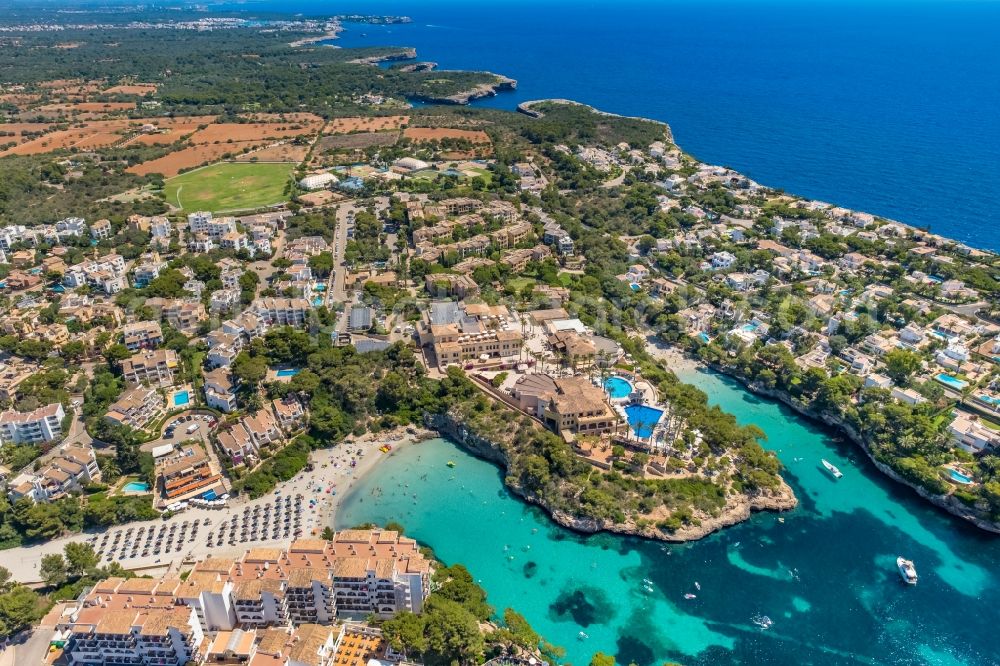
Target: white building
pixel 41 425
pixel 317 181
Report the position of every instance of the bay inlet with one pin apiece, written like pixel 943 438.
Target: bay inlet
pixel 825 577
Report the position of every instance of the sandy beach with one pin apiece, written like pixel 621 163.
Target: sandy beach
pixel 332 476
pixel 674 357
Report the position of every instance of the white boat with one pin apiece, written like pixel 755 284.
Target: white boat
pixel 689 596
pixel 833 470
pixel 582 636
pixel 907 571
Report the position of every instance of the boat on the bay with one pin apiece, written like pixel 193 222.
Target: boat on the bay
pixel 450 463
pixel 907 571
pixel 582 636
pixel 689 596
pixel 832 469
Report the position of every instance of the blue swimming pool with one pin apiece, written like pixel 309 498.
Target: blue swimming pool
pixel 704 338
pixel 990 401
pixel 320 287
pixel 289 372
pixel 181 398
pixel 635 287
pixel 959 477
pixel 951 382
pixel 643 418
pixel 136 487
pixel 618 387
pixel 318 301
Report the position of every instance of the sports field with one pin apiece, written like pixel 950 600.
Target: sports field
pixel 229 186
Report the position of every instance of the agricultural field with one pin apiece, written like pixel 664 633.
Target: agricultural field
pixel 229 186
pixel 373 124
pixel 174 163
pixel 420 134
pixel 358 141
pixel 139 89
pixel 249 132
pixel 281 152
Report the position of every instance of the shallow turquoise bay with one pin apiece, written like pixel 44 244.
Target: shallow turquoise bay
pixel 826 576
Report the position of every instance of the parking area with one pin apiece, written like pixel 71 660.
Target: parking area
pixel 189 425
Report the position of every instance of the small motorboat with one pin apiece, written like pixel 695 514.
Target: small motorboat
pixel 832 469
pixel 582 636
pixel 762 621
pixel 907 571
pixel 451 463
pixel 690 596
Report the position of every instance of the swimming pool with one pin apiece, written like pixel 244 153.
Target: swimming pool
pixel 959 477
pixel 635 287
pixel 750 328
pixel 989 400
pixel 181 398
pixel 289 372
pixel 320 287
pixel 618 388
pixel 318 301
pixel 135 487
pixel 704 338
pixel 951 382
pixel 643 418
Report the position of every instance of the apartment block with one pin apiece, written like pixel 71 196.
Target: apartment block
pixel 220 390
pixel 282 311
pixel 137 637
pixel 142 335
pixel 40 425
pixel 155 368
pixel 137 407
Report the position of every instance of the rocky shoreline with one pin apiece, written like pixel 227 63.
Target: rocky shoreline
pixel 528 109
pixel 406 53
pixel 735 512
pixel 948 503
pixel 500 84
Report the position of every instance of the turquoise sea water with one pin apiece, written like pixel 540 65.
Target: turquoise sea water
pixel 826 576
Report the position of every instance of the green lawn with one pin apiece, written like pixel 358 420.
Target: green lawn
pixel 229 186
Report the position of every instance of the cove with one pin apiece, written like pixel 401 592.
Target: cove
pixel 825 576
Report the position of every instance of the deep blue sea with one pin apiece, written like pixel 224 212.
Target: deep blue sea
pixel 887 106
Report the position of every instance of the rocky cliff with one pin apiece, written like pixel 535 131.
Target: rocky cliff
pixel 738 508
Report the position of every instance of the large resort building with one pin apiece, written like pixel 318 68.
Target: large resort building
pixel 567 405
pixel 471 333
pixel 284 606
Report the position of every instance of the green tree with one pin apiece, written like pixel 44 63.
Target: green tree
pixel 53 570
pixel 19 608
pixel 80 558
pixel 900 364
pixel 452 633
pixel 249 370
